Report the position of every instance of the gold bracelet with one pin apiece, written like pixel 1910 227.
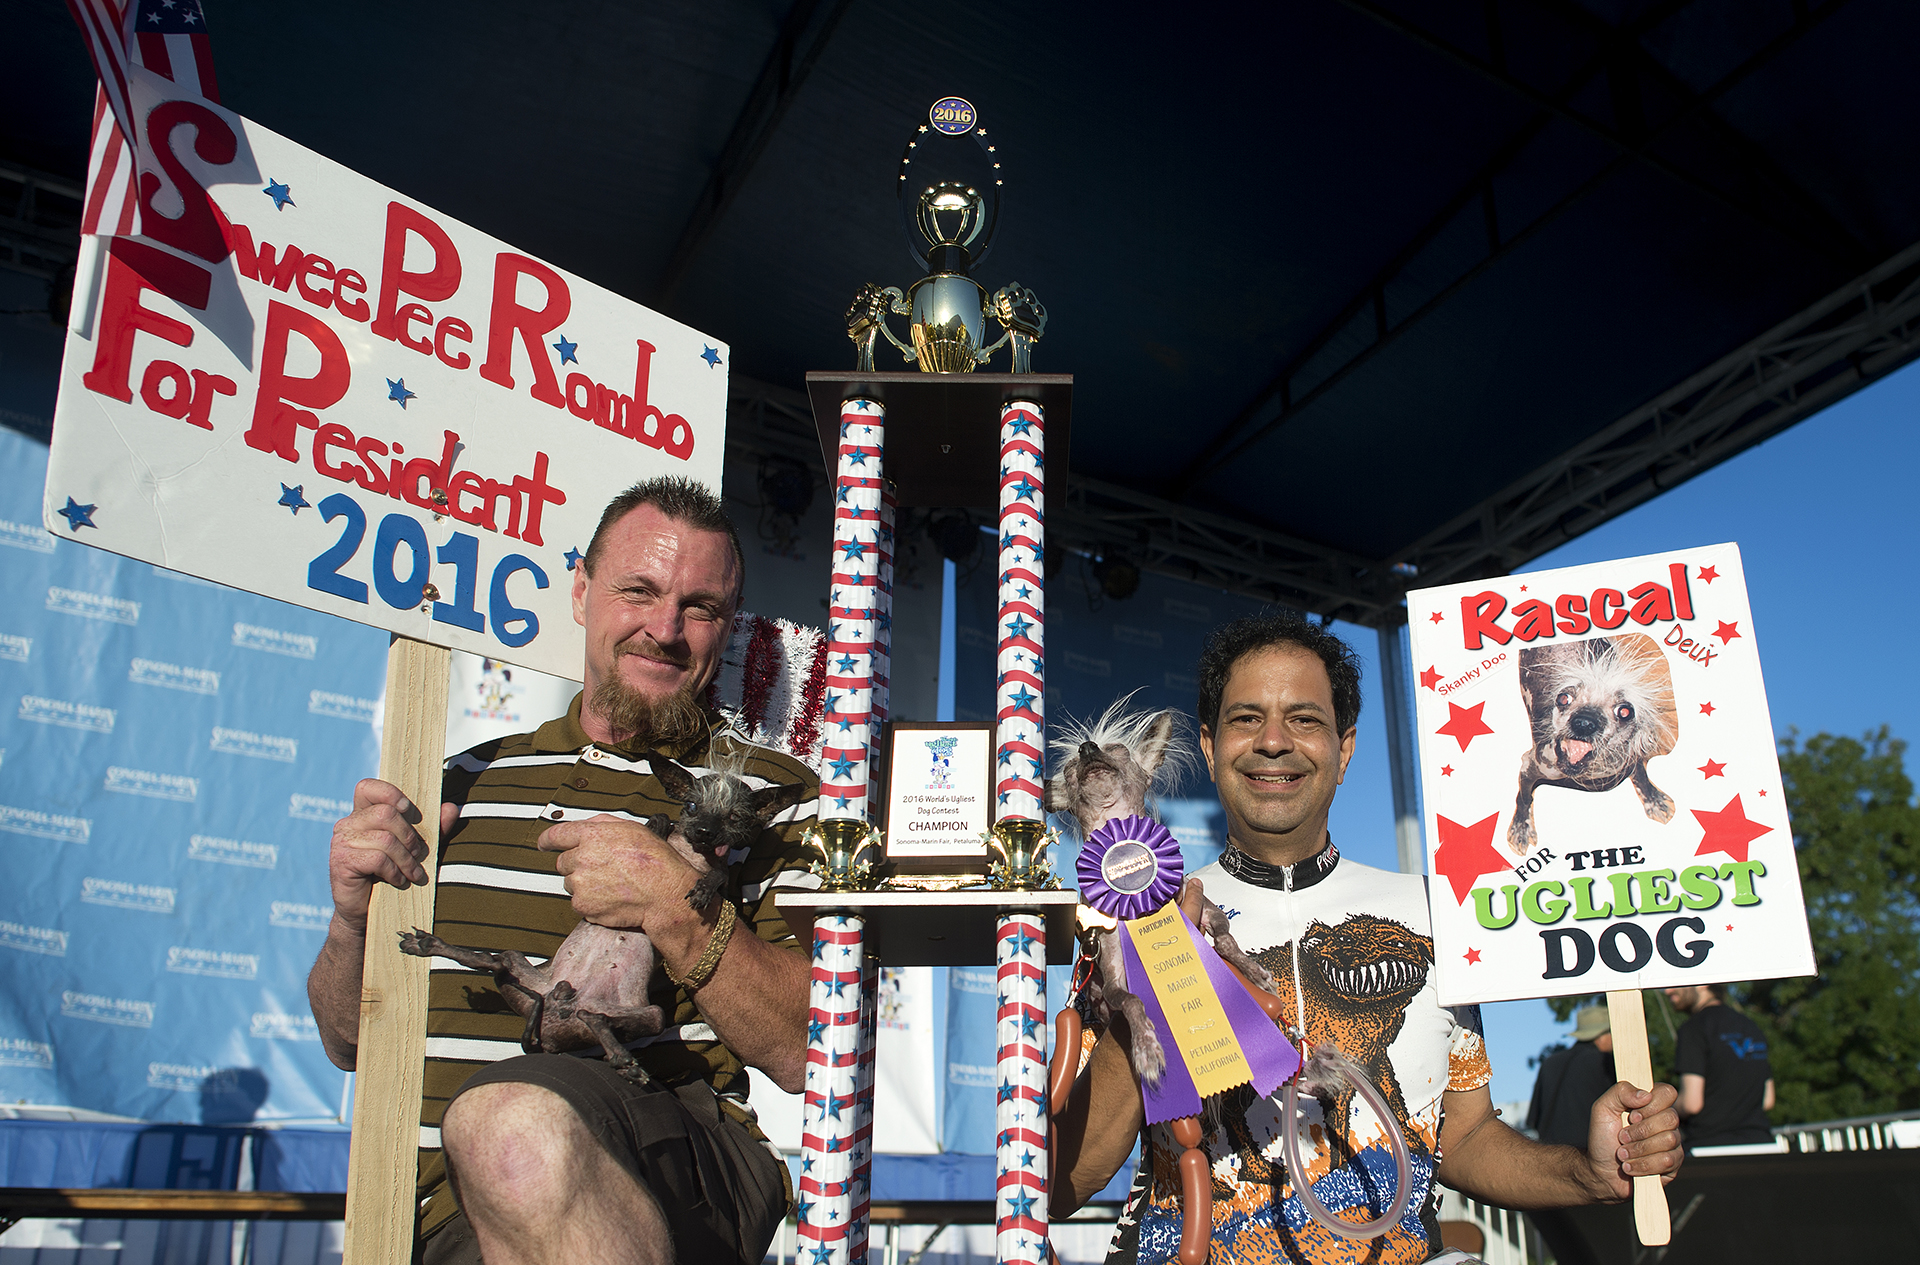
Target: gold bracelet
pixel 716 946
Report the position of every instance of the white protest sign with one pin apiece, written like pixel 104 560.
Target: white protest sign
pixel 306 385
pixel 1603 799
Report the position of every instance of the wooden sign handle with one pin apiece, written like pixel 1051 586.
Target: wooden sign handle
pixel 1633 1062
pixel 382 1167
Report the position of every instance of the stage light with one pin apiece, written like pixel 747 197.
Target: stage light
pixel 956 536
pixel 1119 579
pixel 786 486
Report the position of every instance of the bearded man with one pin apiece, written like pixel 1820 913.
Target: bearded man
pixel 556 1157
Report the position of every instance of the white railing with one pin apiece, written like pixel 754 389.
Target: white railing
pixel 1510 1238
pixel 1896 1130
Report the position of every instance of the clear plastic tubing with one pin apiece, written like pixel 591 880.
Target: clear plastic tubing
pixel 1297 1172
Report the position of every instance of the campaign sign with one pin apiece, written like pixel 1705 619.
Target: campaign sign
pixel 1603 796
pixel 306 385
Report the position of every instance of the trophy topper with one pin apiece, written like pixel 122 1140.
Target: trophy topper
pixel 956 221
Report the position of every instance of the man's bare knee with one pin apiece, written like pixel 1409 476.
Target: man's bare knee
pixel 514 1137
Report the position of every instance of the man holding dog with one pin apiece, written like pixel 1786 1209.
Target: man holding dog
pixel 555 1157
pixel 1351 950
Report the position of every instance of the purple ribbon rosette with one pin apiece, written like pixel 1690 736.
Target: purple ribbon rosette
pixel 1131 868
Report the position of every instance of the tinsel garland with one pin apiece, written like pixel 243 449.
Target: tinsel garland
pixel 806 723
pixel 758 671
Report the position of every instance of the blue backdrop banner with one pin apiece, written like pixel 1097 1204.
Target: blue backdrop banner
pixel 175 754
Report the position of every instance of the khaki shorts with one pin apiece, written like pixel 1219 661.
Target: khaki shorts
pixel 721 1190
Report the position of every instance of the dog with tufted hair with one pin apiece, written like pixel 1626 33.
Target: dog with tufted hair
pixel 1600 709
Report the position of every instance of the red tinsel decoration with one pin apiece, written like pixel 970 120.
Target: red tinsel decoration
pixel 757 673
pixel 806 725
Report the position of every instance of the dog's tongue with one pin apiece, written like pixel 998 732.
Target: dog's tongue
pixel 1573 750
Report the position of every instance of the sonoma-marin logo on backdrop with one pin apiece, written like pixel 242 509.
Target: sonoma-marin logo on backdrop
pixel 117 683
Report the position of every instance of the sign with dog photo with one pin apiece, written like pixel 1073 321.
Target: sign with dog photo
pixel 1603 799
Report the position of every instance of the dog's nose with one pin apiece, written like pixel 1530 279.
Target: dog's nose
pixel 1091 751
pixel 1585 723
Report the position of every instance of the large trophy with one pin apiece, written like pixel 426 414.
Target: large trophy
pixel 959 874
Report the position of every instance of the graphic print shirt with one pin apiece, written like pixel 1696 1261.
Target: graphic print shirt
pixel 1730 1052
pixel 1364 950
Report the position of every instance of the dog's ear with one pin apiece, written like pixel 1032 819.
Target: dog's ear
pixel 1153 747
pixel 769 801
pixel 1536 663
pixel 675 780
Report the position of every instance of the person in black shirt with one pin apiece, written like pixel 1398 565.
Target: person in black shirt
pixel 1726 1083
pixel 1570 1080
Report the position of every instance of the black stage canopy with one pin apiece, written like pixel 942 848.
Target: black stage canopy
pixel 1357 294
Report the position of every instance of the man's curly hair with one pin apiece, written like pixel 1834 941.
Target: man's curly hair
pixel 1235 640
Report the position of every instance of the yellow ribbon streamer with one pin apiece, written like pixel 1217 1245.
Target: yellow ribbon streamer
pixel 1200 1029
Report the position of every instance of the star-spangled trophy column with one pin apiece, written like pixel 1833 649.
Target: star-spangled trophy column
pixel 1020 1102
pixel 836 1124
pixel 1020 689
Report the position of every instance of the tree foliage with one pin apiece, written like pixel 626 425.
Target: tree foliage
pixel 1844 1042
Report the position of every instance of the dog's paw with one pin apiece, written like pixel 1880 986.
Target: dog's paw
pixel 701 894
pixel 1149 1060
pixel 1520 835
pixel 1659 805
pixel 418 943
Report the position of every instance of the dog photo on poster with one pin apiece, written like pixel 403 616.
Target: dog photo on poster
pixel 1603 799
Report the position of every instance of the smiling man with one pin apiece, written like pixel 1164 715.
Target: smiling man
pixel 555 1157
pixel 1351 951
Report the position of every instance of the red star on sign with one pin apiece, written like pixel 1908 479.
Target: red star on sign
pixel 1465 853
pixel 1464 724
pixel 1446 770
pixel 1437 617
pixel 1713 768
pixel 1728 831
pixel 1709 574
pixel 1523 588
pixel 1430 677
pixel 1706 709
pixel 1472 956
pixel 1727 632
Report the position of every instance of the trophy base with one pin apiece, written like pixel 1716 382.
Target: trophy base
pixel 943 429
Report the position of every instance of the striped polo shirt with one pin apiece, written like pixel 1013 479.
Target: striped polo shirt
pixel 496 890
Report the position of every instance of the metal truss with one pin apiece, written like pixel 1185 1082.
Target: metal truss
pixel 1104 520
pixel 1647 104
pixel 1854 336
pixel 1860 333
pixel 39 222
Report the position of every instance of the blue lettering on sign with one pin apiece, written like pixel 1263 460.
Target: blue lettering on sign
pixel 514 626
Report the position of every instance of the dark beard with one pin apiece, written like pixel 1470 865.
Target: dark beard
pixel 631 715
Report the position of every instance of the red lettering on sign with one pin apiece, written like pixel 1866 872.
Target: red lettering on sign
pixel 274 408
pixel 508 318
pixel 348 281
pixel 197 228
pixel 1572 609
pixel 132 267
pixel 452 328
pixel 316 269
pixel 1477 614
pixel 1605 603
pixel 637 418
pixel 436 283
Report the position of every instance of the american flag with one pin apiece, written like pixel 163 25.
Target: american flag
pixel 165 37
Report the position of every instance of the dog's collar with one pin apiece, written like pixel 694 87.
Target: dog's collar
pixel 1284 878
